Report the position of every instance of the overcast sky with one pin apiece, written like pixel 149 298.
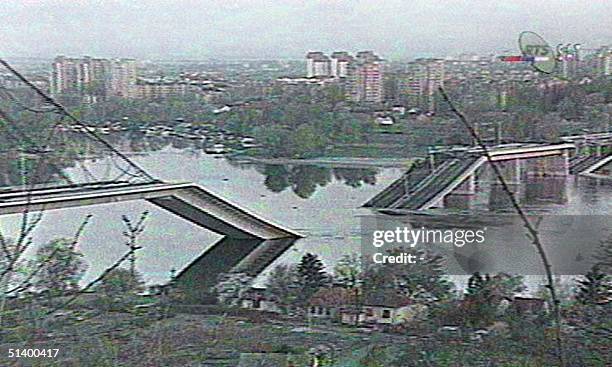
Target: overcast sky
pixel 289 28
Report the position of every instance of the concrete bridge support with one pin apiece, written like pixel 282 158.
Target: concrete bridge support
pixel 557 165
pixel 228 255
pixel 512 171
pixel 499 199
pixel 549 190
pixel 467 187
pixel 462 197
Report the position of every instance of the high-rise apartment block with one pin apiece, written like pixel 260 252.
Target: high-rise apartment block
pixel 93 78
pixel 317 65
pixel 424 78
pixel 122 78
pixel 604 61
pixel 366 78
pixel 340 64
pixel 362 75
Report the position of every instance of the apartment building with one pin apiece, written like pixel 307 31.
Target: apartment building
pixel 317 65
pixel 93 77
pixel 424 77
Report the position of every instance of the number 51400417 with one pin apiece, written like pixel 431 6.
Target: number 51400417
pixel 32 353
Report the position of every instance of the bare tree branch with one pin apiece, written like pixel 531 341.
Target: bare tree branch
pixel 25 284
pixel 92 283
pixel 531 229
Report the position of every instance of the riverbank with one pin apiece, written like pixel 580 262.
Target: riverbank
pixel 345 162
pixel 166 335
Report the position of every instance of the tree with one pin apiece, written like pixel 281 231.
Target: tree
pixel 307 141
pixel 595 288
pixel 334 95
pixel 231 288
pixel 484 294
pixel 131 234
pixel 119 282
pixel 423 281
pixel 494 288
pixel 282 284
pixel 311 276
pixel 349 274
pixel 572 106
pixel 604 257
pixel 62 267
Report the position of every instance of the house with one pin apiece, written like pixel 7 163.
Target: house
pixel 384 308
pixel 258 299
pixel 400 110
pixel 385 120
pixel 222 110
pixel 522 306
pixel 329 302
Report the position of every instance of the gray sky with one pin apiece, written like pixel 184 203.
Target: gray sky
pixel 277 28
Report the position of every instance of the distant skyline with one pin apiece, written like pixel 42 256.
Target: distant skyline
pixel 188 29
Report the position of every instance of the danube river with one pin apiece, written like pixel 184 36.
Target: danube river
pixel 321 203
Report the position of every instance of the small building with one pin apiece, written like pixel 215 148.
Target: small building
pixel 329 302
pixel 384 308
pixel 385 120
pixel 258 299
pixel 524 306
pixel 400 110
pixel 222 110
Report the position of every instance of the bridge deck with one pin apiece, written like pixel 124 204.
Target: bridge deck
pixel 416 190
pixel 187 200
pixel 595 138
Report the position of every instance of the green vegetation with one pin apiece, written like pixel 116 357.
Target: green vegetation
pixel 61 267
pixel 297 130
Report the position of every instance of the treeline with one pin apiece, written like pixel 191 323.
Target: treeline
pixel 532 112
pixel 299 127
pixel 489 322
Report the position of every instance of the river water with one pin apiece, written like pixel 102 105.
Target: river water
pixel 321 203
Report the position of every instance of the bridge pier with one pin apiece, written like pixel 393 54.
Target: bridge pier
pixel 550 190
pixel 499 199
pixel 467 187
pixel 228 255
pixel 460 202
pixel 557 165
pixel 512 171
pixel 461 197
pixel 457 175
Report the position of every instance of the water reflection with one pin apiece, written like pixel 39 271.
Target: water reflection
pixel 532 192
pixel 305 179
pixel 328 218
